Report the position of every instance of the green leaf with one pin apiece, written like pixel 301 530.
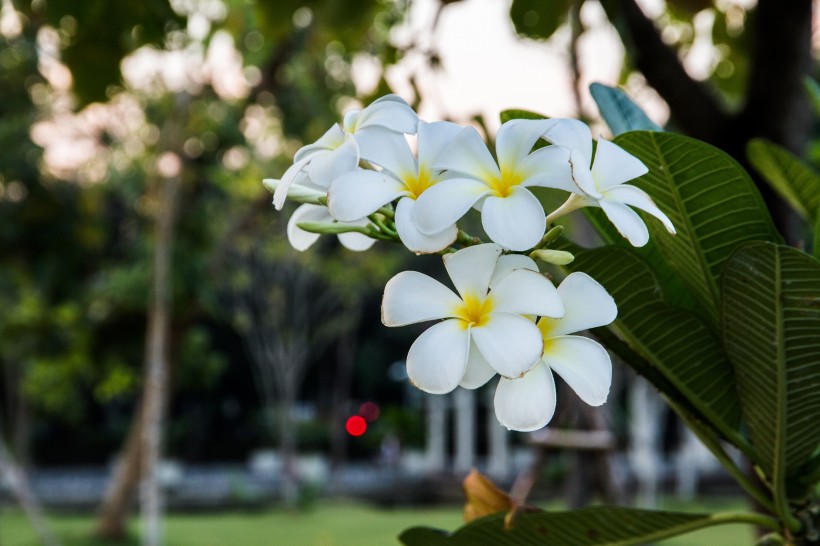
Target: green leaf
pixel 771 322
pixel 596 526
pixel 674 290
pixel 507 115
pixel 710 200
pixel 794 180
pixel 677 343
pixel 619 112
pixel 538 19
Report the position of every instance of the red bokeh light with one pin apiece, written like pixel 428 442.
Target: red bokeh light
pixel 369 411
pixel 356 425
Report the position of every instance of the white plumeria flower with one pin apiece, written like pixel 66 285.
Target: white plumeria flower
pixel 339 150
pixel 528 403
pixel 313 211
pixel 357 194
pixel 511 215
pixel 481 327
pixel 478 372
pixel 602 184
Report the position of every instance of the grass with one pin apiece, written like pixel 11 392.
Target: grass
pixel 329 524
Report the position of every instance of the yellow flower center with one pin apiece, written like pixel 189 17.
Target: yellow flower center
pixel 474 310
pixel 503 185
pixel 418 183
pixel 547 325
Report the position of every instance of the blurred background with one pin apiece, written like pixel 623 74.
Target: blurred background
pixel 143 265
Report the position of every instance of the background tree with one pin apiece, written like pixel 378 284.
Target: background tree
pixel 756 87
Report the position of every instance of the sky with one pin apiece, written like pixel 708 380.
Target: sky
pixel 487 68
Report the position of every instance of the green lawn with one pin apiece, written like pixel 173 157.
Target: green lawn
pixel 329 524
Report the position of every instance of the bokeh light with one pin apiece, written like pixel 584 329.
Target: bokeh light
pixel 370 411
pixel 356 425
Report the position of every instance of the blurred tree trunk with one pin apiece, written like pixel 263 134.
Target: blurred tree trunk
pixel 14 475
pixel 158 340
pixel 18 412
pixel 776 105
pixel 143 448
pixel 119 493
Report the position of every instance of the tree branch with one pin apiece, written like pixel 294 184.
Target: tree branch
pixel 693 105
pixel 777 105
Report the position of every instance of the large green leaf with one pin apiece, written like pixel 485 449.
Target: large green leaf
pixel 676 342
pixel 674 289
pixel 711 201
pixel 596 526
pixel 771 324
pixel 619 112
pixel 794 180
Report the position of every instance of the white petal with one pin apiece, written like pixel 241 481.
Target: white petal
pixel 298 238
pixel 549 168
pixel 357 194
pixel 390 111
pixel 584 364
pixel 325 167
pixel 587 304
pixel 446 202
pixel 412 297
pixel 291 176
pixel 386 149
pixel 438 358
pixel 508 263
pixel 525 292
pixel 434 138
pixel 571 133
pixel 478 371
pixel 516 222
pixel 636 197
pixel 581 174
pixel 471 268
pixel 332 139
pixel 627 221
pixel 357 242
pixel 515 140
pixel 468 154
pixel 527 403
pixel 415 240
pixel 613 165
pixel 511 344
pixel 297 192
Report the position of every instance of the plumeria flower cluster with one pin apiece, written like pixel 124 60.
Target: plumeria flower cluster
pixel 383 174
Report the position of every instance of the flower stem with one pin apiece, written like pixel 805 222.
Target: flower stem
pixel 379 221
pixel 466 239
pixel 387 211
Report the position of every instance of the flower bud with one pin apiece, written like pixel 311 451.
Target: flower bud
pixel 298 193
pixel 557 257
